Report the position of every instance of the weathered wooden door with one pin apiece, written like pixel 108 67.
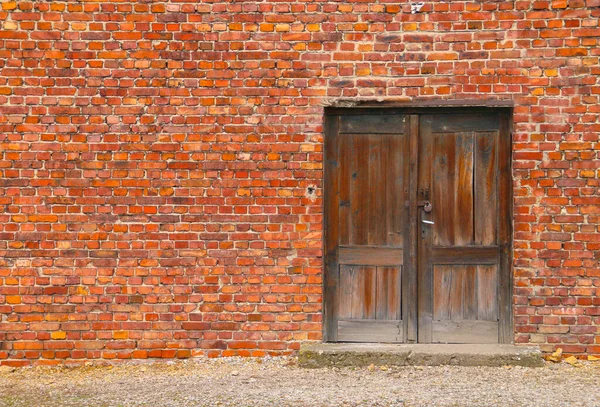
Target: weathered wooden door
pixel 366 225
pixel 417 239
pixel 464 241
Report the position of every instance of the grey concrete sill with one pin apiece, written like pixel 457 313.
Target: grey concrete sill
pixel 313 355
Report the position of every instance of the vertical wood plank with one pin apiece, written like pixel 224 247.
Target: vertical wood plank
pixel 486 196
pixel 345 162
pixel 443 188
pixel 346 290
pixel 425 153
pixel 395 193
pixel 456 292
pixel 409 318
pixel 505 201
pixel 369 292
pixel 377 170
pixel 463 210
pixel 359 190
pixel 470 292
pixel 388 293
pixel 364 292
pixel 487 292
pixel 331 230
pixel 442 278
pixel 453 189
pixel 411 277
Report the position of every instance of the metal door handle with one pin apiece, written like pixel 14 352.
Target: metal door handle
pixel 429 222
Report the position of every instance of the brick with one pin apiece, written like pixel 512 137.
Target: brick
pixel 9 5
pixel 58 335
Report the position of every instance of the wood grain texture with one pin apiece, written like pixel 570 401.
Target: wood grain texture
pixel 375 195
pixel 469 292
pixel 486 189
pixel 358 285
pixel 465 122
pixel 411 268
pixel 370 331
pixel 453 189
pixel 331 229
pixel 371 255
pixel 389 282
pixel 343 210
pixel 464 331
pixel 370 292
pixel 463 194
pixel 465 292
pixel 505 214
pixel 365 293
pixel 442 292
pixel 442 186
pixel 371 186
pixel 359 187
pixel 397 151
pixel 466 255
pixel 374 123
pixel 487 292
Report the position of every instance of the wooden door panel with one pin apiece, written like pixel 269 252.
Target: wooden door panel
pixel 358 286
pixel 487 292
pixel 370 330
pixel 370 212
pixel 389 284
pixel 453 189
pixel 370 124
pixel 370 292
pixel 465 297
pixel 367 204
pixel 485 189
pixel 465 292
pixel 465 331
pixel 373 255
pixel 370 298
pixel 464 122
pixel 461 253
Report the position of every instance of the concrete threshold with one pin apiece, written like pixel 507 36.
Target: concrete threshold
pixel 314 355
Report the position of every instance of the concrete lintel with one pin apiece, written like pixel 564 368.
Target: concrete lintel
pixel 315 355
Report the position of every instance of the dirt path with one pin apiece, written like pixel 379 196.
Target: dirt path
pixel 279 382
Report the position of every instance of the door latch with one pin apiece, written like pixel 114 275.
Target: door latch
pixel 427 207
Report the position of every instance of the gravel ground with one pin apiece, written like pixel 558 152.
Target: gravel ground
pixel 279 382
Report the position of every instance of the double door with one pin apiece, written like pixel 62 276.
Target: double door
pixel 417 226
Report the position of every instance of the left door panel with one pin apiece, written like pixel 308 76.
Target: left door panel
pixel 366 175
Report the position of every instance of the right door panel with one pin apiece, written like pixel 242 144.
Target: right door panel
pixel 463 244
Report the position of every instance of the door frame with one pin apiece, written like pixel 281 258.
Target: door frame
pixel 410 277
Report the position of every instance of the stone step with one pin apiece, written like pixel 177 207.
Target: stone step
pixel 314 355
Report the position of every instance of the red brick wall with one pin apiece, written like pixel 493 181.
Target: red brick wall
pixel 155 160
